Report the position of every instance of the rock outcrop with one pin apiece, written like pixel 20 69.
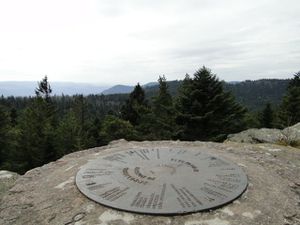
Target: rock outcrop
pixel 287 136
pixel 7 180
pixel 48 195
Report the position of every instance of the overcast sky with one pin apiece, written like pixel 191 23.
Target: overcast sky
pixel 129 41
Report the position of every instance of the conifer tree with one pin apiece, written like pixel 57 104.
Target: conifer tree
pixel 38 128
pixel 267 116
pixel 13 117
pixel 80 112
pixel 295 82
pixel 290 106
pixel 138 95
pixel 93 133
pixel 10 157
pixel 163 98
pixel 206 111
pixel 4 138
pixel 134 106
pixel 44 89
pixel 163 124
pixel 68 134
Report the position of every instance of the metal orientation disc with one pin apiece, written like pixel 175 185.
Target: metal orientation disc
pixel 161 181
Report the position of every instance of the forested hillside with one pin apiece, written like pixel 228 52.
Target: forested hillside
pixel 252 94
pixel 256 94
pixel 36 130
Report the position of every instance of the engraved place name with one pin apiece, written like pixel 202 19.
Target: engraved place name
pixel 142 201
pixel 185 198
pixel 154 201
pixel 162 196
pixel 228 169
pixel 228 175
pixel 91 173
pixel 140 153
pixel 145 153
pixel 212 192
pixel 216 187
pixel 114 193
pixel 137 171
pixel 223 185
pixel 139 201
pixel 137 180
pixel 186 163
pixel 92 186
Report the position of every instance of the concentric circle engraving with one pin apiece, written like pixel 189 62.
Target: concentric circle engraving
pixel 161 180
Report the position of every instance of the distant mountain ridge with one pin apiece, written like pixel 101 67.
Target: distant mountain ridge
pixel 118 89
pixel 125 89
pixel 27 88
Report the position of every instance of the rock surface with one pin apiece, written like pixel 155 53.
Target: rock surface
pixel 287 136
pixel 7 180
pixel 48 195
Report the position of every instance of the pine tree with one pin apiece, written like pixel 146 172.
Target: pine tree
pixel 44 89
pixel 163 98
pixel 10 156
pixel 13 117
pixel 138 95
pixel 4 137
pixel 93 133
pixel 290 106
pixel 80 111
pixel 135 106
pixel 295 82
pixel 206 112
pixel 68 136
pixel 163 124
pixel 267 117
pixel 38 128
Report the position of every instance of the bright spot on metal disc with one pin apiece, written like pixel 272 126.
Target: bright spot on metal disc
pixel 161 181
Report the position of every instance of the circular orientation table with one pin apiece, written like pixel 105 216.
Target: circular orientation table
pixel 161 181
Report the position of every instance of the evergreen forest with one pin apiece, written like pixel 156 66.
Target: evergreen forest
pixel 40 129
